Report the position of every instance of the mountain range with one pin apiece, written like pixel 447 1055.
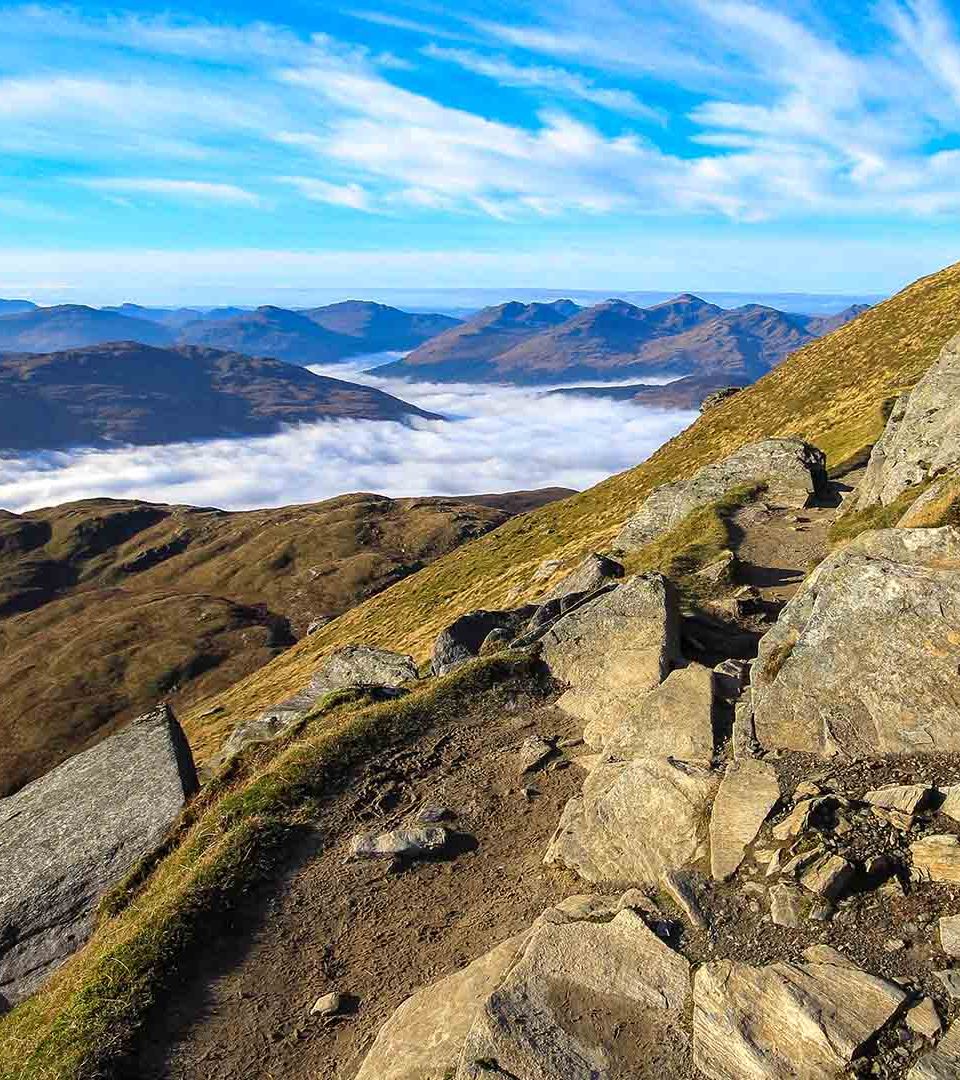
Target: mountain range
pixel 138 393
pixel 550 343
pixel 315 336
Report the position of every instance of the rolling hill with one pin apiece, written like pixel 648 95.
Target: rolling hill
pixel 15 307
pixel 129 392
pixel 377 327
pixel 617 340
pixel 106 604
pixel 74 326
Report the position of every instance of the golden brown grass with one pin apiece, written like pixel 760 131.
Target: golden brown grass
pixel 941 507
pixel 834 392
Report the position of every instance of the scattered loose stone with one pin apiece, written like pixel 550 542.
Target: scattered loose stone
pixel 786 905
pixel 828 876
pixel 951 802
pixel 533 752
pixel 937 857
pixel 680 887
pixel 950 934
pixel 941 1063
pixel 951 981
pixel 748 792
pixel 329 1005
pixel 924 1019
pixel 410 843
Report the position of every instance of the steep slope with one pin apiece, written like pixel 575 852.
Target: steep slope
pixel 73 326
pixel 128 392
pixel 465 351
pixel 377 327
pixel 107 605
pixel 833 392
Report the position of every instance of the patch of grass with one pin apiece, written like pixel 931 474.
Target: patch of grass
pixel 834 391
pixel 695 542
pixel 231 838
pixel 850 526
pixel 941 506
pixel 774 663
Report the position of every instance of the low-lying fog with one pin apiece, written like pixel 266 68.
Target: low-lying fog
pixel 495 439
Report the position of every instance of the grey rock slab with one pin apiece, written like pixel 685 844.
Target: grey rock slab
pixel 748 792
pixel 614 648
pixel 597 1000
pixel 864 658
pixel 922 436
pixel 950 980
pixel 793 470
pixel 828 876
pixel 533 752
pixel 673 720
pixel 951 802
pixel 635 821
pixel 924 1019
pixel 786 1020
pixel 592 573
pixel 943 1062
pixel 950 934
pixel 67 837
pixel 415 841
pixel 462 640
pixel 937 858
pixel 787 905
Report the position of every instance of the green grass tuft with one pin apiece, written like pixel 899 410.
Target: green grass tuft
pixel 851 525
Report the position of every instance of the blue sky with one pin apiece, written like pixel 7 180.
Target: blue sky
pixel 704 144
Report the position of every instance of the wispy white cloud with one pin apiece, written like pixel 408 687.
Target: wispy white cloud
pixel 565 84
pixel 351 195
pixel 187 190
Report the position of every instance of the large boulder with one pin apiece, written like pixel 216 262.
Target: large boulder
pixel 635 821
pixel 793 471
pixel 463 638
pixel 586 999
pixel 786 1020
pixel 615 647
pixel 922 436
pixel 864 658
pixel 67 837
pixel 352 667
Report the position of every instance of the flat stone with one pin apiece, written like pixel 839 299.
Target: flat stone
pixel 408 843
pixel 951 802
pixel 635 821
pixel 786 1020
pixel 828 877
pixel 795 822
pixel 950 978
pixel 864 658
pixel 533 752
pixel 950 934
pixel 937 857
pixel 906 798
pixel 924 1019
pixel 328 1005
pixel 423 1039
pixel 613 649
pixel 674 720
pixel 787 905
pixel 67 837
pixel 572 1005
pixel 748 792
pixel 943 1062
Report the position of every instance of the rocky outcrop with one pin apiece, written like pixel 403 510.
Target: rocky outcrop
pixel 922 436
pixel 462 640
pixel 792 470
pixel 786 1020
pixel 593 573
pixel 352 667
pixel 614 648
pixel 635 821
pixel 942 1063
pixel 67 837
pixel 585 999
pixel 718 397
pixel 864 658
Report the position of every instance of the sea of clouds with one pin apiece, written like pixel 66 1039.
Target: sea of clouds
pixel 493 439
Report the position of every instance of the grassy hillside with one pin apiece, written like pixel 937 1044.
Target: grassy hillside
pixel 107 606
pixel 833 392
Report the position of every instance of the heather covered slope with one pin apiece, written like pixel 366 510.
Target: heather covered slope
pixel 108 605
pixel 833 392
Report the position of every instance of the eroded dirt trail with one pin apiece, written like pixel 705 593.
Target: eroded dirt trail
pixel 366 930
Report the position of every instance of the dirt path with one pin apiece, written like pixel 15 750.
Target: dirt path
pixel 378 934
pixel 364 929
